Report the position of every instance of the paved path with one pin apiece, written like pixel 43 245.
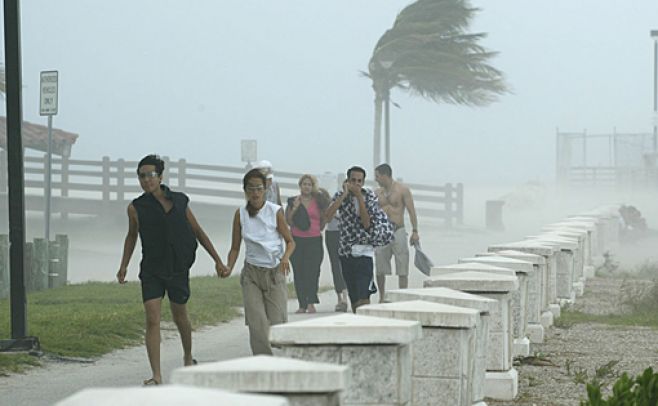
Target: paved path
pixel 129 367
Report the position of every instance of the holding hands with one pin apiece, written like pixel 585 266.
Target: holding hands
pixel 222 270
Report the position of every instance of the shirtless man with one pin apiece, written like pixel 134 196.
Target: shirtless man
pixel 394 197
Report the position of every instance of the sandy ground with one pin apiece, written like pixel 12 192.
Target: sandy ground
pixel 582 349
pixel 95 251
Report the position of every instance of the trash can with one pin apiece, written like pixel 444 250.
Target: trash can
pixel 494 214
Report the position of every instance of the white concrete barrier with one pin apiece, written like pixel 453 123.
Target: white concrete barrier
pixel 377 350
pixel 501 380
pixel 590 229
pixel 551 307
pixel 536 289
pixel 520 302
pixel 582 236
pixel 599 243
pixel 167 395
pixel 303 383
pixel 564 270
pixel 484 305
pixel 443 360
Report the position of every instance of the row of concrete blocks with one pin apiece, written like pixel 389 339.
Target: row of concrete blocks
pixel 449 343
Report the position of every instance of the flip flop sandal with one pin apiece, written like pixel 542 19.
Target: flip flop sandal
pixel 151 382
pixel 341 307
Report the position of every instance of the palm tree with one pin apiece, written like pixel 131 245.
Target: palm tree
pixel 428 53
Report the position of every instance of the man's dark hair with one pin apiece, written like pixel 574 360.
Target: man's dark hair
pixel 357 169
pixel 384 169
pixel 152 160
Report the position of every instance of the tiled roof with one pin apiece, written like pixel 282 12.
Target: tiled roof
pixel 35 136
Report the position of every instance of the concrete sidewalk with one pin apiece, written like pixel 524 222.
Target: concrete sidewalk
pixel 129 367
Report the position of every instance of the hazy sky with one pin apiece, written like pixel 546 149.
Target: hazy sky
pixel 191 79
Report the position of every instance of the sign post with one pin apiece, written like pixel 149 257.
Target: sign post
pixel 249 151
pixel 48 107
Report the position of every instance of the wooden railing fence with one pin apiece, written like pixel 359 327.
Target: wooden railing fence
pixel 106 186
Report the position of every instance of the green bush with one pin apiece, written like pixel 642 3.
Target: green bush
pixel 640 391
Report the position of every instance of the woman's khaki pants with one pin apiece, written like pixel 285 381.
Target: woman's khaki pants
pixel 265 297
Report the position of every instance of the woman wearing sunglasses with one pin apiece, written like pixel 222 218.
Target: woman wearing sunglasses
pixel 261 224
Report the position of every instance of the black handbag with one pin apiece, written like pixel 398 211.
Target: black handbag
pixel 300 218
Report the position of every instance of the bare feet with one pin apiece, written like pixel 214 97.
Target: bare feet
pixel 300 310
pixel 310 309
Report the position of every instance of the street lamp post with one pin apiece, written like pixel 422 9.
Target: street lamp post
pixel 654 35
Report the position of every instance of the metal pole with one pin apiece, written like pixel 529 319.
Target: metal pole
pixel 15 170
pixel 49 176
pixel 387 126
pixel 654 36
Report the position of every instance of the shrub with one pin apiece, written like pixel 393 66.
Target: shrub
pixel 639 391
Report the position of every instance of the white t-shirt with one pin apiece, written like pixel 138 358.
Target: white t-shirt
pixel 263 241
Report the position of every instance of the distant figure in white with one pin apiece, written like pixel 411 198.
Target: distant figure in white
pixel 394 197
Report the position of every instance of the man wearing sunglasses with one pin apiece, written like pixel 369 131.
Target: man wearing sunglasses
pixel 168 232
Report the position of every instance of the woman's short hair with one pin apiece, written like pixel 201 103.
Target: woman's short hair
pixel 253 174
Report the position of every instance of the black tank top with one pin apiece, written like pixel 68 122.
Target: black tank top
pixel 168 242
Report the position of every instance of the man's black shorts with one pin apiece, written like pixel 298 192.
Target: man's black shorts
pixel 177 287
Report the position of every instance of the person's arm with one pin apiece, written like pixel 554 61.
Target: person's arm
pixel 283 229
pixel 236 240
pixel 330 212
pixel 201 235
pixel 408 201
pixel 364 214
pixel 129 243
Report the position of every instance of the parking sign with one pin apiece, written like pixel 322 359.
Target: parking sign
pixel 48 99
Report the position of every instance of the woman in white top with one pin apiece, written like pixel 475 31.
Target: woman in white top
pixel 262 225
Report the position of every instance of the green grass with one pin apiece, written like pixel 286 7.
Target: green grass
pixel 16 363
pixel 569 318
pixel 92 319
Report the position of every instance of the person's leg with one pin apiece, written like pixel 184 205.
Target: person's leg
pixel 304 246
pixel 348 275
pixel 383 267
pixel 254 309
pixel 152 337
pixel 381 285
pixel 179 314
pixel 363 277
pixel 153 290
pixel 316 253
pixel 401 251
pixel 297 270
pixel 331 241
pixel 275 299
pixel 178 290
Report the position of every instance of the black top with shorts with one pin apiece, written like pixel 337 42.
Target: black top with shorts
pixel 168 246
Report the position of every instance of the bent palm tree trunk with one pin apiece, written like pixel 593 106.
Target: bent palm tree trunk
pixel 377 136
